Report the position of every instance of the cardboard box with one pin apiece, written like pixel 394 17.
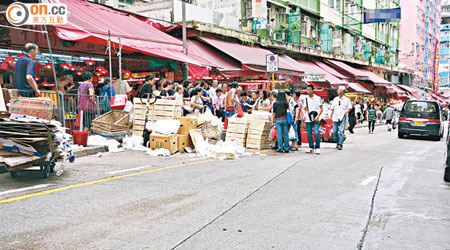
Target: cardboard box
pixel 37 107
pixel 186 124
pixel 184 141
pixel 169 142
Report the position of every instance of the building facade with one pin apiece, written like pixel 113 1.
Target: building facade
pixel 324 28
pixel 444 49
pixel 419 43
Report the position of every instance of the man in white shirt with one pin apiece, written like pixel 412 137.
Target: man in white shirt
pixel 212 89
pixel 339 110
pixel 311 111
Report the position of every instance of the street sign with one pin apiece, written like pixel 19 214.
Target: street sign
pixel 272 63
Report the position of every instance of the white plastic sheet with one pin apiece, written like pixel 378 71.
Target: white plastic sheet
pixel 165 127
pixel 133 142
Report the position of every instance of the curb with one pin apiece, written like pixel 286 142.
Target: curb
pixel 89 151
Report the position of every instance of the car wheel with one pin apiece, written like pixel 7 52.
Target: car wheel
pixel 401 135
pixel 447 174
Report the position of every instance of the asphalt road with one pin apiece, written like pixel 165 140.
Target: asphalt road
pixel 380 192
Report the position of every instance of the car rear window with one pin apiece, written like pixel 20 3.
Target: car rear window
pixel 421 109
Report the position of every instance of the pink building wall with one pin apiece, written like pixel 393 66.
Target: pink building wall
pixel 412 31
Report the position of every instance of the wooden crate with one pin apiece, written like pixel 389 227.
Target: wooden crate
pixel 161 110
pixel 237 130
pixel 258 134
pixel 258 144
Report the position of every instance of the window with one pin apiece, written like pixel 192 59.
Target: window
pixel 304 29
pixel 338 4
pixel 126 1
pixel 331 3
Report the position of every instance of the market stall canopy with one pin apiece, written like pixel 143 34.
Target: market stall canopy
pixel 413 91
pixel 360 74
pixel 253 58
pixel 312 71
pixel 356 87
pixel 90 22
pixel 393 89
pixel 331 71
pixel 206 55
pixel 374 77
pixel 319 85
pixel 355 73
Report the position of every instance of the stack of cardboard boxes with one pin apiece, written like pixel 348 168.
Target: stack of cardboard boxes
pixel 178 142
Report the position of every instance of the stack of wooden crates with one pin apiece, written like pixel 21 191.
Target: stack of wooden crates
pixel 258 134
pixel 237 130
pixel 161 110
pixel 250 133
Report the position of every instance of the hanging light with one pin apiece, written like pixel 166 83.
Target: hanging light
pixel 100 68
pixel 73 68
pixel 37 78
pixel 144 74
pixel 90 62
pixel 98 73
pixel 48 65
pixel 127 72
pixel 46 84
pixel 131 78
pixel 10 59
pixel 65 65
pixel 79 73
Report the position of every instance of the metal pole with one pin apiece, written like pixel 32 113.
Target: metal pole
pixel 110 63
pixel 120 61
pixel 183 16
pixel 58 99
pixel 184 68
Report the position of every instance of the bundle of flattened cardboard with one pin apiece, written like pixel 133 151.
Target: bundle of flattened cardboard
pixel 21 142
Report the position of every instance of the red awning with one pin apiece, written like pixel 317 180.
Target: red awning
pixel 310 68
pixel 356 87
pixel 331 70
pixel 359 74
pixel 393 89
pixel 374 77
pixel 207 56
pixel 413 91
pixel 356 73
pixel 90 22
pixel 252 56
pixel 319 85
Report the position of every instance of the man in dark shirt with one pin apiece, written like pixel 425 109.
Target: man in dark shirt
pixel 147 88
pixel 25 72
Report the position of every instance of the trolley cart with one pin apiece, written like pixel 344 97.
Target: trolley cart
pixel 46 163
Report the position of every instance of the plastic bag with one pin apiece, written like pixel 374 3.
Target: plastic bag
pixel 239 111
pixel 273 133
pixel 292 133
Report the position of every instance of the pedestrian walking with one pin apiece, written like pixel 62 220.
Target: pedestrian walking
pixel 389 115
pixel 25 72
pixel 312 109
pixel 358 112
pixel 352 119
pixel 339 109
pixel 298 120
pixel 279 120
pixel 371 117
